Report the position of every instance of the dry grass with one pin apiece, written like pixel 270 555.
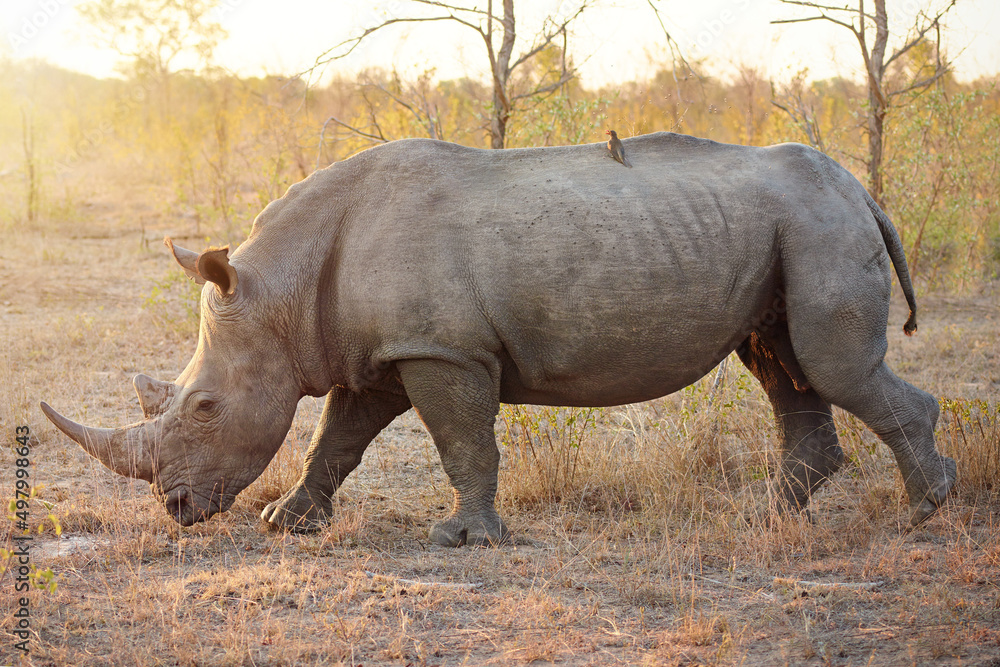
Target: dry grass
pixel 641 531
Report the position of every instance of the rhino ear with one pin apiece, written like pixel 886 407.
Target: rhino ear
pixel 213 265
pixel 187 259
pixel 210 266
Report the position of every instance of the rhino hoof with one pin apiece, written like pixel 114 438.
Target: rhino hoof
pixel 479 532
pixel 921 512
pixel 933 499
pixel 295 511
pixel 280 519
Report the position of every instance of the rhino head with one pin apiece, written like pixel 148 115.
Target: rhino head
pixel 207 436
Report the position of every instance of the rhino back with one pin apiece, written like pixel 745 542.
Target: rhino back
pixel 592 283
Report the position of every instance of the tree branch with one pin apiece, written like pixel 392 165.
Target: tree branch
pixel 923 83
pixel 423 116
pixel 807 124
pixel 828 8
pixel 374 118
pixel 453 8
pixel 801 112
pixel 921 33
pixel 549 36
pixel 675 52
pixel 563 80
pixel 822 17
pixel 322 58
pixel 333 119
pixel 322 140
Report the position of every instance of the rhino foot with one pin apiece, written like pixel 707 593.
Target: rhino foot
pixel 923 508
pixel 299 510
pixel 482 529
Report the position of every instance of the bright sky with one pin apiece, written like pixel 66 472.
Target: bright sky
pixel 619 40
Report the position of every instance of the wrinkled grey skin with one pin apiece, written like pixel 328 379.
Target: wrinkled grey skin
pixel 449 279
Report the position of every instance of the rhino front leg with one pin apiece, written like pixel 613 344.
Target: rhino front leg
pixel 348 424
pixel 458 405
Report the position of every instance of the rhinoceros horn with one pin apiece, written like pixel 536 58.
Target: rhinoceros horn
pixel 126 451
pixel 153 395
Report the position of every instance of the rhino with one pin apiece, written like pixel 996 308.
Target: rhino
pixel 448 279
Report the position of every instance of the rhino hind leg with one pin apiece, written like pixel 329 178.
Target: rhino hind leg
pixel 840 343
pixel 810 452
pixel 350 421
pixel 905 417
pixel 458 405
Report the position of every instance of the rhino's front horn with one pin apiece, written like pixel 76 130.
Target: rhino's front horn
pixel 123 450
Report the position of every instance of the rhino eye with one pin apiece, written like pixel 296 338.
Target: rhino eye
pixel 206 405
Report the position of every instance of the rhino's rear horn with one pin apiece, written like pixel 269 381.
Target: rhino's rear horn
pixel 153 394
pixel 123 450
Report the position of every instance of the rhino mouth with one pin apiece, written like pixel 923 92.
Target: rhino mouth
pixel 188 508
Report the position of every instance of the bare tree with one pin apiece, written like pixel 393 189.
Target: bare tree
pixel 499 36
pixel 882 94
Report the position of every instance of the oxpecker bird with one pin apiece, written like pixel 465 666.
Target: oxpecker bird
pixel 616 148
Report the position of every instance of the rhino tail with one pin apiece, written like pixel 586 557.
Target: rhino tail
pixel 895 248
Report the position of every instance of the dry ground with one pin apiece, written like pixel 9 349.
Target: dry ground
pixel 640 537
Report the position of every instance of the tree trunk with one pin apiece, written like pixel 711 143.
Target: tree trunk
pixel 498 124
pixel 501 74
pixel 877 102
pixel 30 177
pixel 876 121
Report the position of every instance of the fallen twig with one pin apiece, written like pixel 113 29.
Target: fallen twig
pixel 825 586
pixel 434 584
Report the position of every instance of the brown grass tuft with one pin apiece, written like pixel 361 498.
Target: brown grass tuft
pixel 970 432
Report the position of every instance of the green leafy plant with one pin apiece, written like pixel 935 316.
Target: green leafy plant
pixel 544 443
